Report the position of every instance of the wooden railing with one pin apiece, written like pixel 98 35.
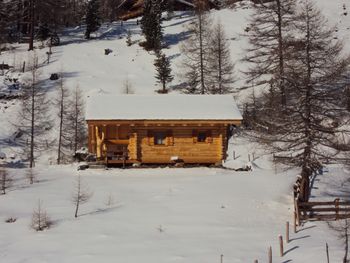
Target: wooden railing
pixel 316 210
pixel 322 211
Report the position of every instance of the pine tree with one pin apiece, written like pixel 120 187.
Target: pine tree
pixel 163 68
pixel 92 18
pixel 220 65
pixel 151 24
pixel 269 34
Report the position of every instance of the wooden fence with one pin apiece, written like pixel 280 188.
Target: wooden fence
pixel 305 210
pixel 322 211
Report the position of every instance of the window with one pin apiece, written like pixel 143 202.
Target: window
pixel 159 138
pixel 202 136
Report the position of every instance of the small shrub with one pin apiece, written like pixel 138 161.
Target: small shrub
pixel 40 219
pixel 11 220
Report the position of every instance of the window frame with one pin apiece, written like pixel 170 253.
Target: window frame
pixel 155 138
pixel 200 139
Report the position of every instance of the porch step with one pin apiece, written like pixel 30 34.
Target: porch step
pixel 97 165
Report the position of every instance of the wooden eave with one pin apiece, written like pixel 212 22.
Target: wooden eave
pixel 164 122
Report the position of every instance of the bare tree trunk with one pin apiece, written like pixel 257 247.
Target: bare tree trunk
pixel 32 24
pixel 61 115
pixel 281 55
pixel 76 120
pixel 345 259
pixel 76 208
pixel 31 157
pixel 200 20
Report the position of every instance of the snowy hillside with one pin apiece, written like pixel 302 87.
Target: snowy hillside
pixel 159 215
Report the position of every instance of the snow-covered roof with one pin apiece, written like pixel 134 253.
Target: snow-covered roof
pixel 162 107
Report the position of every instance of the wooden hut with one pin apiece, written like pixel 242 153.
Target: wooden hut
pixel 160 129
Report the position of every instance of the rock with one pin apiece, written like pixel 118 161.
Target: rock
pixel 108 51
pixel 2 155
pixel 54 76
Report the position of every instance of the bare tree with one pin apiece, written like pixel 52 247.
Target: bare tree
pixel 220 65
pixel 34 121
pixel 31 175
pixel 62 103
pixel 80 195
pixel 76 119
pixel 127 87
pixel 6 180
pixel 267 55
pixel 306 135
pixel 40 219
pixel 196 50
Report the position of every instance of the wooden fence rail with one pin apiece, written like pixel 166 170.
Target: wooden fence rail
pixel 322 211
pixel 316 211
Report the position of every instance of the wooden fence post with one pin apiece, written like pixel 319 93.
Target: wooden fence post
pixel 287 232
pixel 295 222
pixel 221 258
pixel 296 206
pixel 234 155
pixel 248 157
pixel 327 252
pixel 270 254
pixel 336 203
pixel 281 245
pixel 24 66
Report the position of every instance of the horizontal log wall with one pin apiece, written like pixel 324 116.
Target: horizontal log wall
pixel 183 146
pixel 181 140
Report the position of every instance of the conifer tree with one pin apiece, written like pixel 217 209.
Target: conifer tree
pixel 163 68
pixel 151 24
pixel 92 18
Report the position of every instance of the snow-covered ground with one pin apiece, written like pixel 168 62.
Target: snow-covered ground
pixel 158 215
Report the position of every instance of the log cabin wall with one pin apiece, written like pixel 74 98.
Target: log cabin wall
pixel 182 142
pixel 190 142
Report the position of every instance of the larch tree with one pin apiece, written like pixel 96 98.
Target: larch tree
pixel 196 52
pixel 75 126
pixel 40 219
pixel 34 121
pixel 268 51
pixel 80 195
pixel 307 134
pixel 92 17
pixel 63 106
pixel 163 68
pixel 6 181
pixel 220 64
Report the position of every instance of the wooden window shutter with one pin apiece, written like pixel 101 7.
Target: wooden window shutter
pixel 169 138
pixel 195 136
pixel 209 137
pixel 150 136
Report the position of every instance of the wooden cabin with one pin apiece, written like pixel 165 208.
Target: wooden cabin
pixel 160 129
